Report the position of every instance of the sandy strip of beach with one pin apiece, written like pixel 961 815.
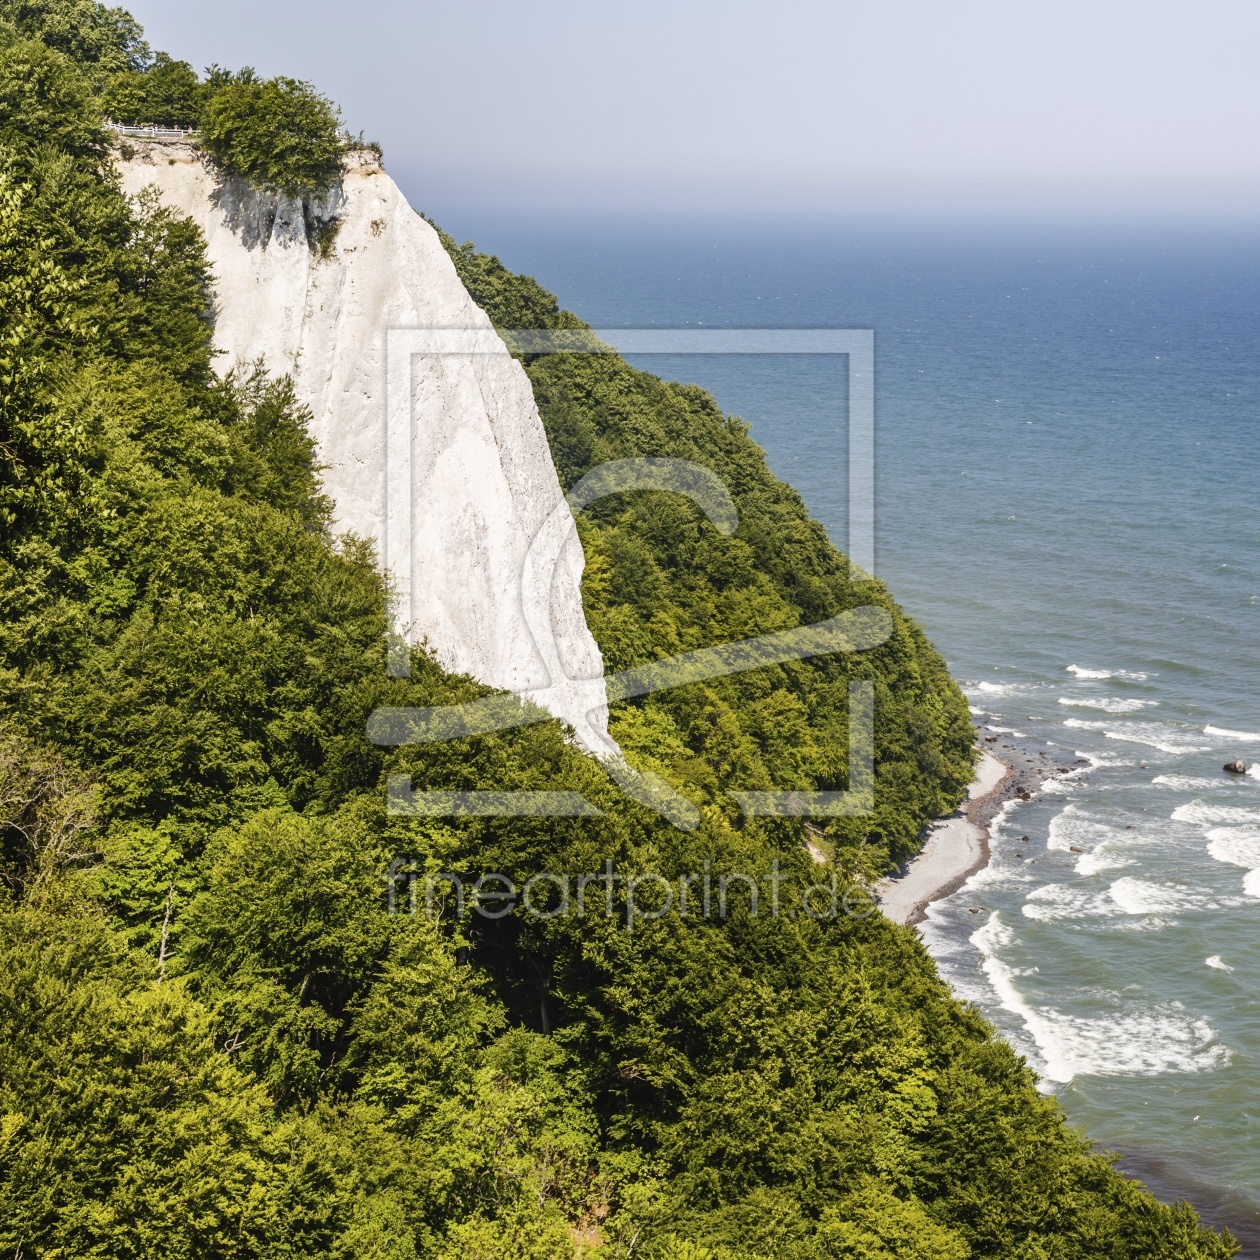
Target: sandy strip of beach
pixel 955 848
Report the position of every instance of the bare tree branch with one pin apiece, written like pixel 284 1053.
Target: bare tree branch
pixel 46 806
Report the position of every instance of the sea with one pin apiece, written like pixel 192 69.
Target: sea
pixel 1068 500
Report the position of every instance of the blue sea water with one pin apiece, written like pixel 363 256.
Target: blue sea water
pixel 1068 425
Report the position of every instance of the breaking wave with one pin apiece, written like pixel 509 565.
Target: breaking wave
pixel 1132 1041
pixel 1140 896
pixel 1097 675
pixel 1053 902
pixel 1247 737
pixel 1162 735
pixel 1239 846
pixel 996 689
pixel 1137 898
pixel 1072 826
pixel 1204 815
pixel 1185 782
pixel 1108 704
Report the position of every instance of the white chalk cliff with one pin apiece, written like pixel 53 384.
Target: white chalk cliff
pixel 432 442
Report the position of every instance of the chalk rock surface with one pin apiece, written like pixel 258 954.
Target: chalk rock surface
pixel 434 452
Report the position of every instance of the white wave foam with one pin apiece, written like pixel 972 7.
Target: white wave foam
pixel 1108 704
pixel 1239 846
pixel 1103 858
pixel 1072 826
pixel 1247 737
pixel 1137 1042
pixel 997 824
pixel 1009 872
pixel 1254 770
pixel 1001 730
pixel 1096 762
pixel 1185 782
pixel 997 689
pixel 1128 895
pixel 1205 815
pixel 999 874
pixel 1217 964
pixel 1106 846
pixel 1053 902
pixel 1162 735
pixel 1061 833
pixel 1096 675
pixel 1140 896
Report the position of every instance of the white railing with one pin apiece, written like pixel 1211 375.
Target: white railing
pixel 151 133
pixel 187 133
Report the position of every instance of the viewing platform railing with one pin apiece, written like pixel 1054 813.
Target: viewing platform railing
pixel 184 133
pixel 152 133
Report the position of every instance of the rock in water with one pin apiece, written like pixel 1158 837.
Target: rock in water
pixel 467 449
pixel 1235 767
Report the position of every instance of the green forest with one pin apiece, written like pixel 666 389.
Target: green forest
pixel 216 1040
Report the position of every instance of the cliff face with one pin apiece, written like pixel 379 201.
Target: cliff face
pixel 450 474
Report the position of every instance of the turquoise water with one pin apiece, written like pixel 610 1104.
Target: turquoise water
pixel 1067 500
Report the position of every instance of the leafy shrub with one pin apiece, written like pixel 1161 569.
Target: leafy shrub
pixel 280 134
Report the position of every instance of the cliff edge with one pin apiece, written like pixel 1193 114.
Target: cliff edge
pixel 453 484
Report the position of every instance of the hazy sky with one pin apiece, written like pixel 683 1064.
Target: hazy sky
pixel 916 106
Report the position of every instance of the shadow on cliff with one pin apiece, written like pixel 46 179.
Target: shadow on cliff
pixel 258 216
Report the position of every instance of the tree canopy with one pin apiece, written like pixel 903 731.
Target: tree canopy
pixel 217 1040
pixel 278 133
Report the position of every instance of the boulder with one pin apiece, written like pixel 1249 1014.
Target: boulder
pixel 1235 767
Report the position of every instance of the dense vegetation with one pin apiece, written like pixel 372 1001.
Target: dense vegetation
pixel 280 133
pixel 216 1041
pixel 658 582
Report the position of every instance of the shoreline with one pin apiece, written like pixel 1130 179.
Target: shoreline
pixel 956 847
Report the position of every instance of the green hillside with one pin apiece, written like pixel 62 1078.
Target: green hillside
pixel 216 1040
